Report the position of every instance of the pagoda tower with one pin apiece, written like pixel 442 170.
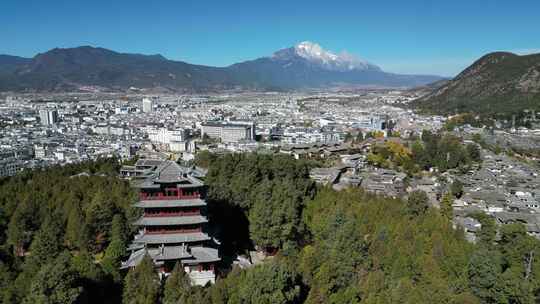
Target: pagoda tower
pixel 173 221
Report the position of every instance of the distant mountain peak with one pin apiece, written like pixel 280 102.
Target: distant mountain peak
pixel 328 60
pixel 305 65
pixel 311 50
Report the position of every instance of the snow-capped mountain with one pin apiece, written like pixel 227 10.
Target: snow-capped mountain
pixel 306 65
pixel 316 55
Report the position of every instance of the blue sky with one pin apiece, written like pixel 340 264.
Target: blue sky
pixel 414 36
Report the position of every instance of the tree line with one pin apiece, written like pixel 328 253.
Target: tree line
pixel 361 248
pixel 328 247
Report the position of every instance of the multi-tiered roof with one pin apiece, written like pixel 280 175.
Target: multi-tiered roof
pixel 172 227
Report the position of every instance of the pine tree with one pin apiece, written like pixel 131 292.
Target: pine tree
pixel 511 287
pixel 488 231
pixel 113 255
pixel 6 288
pixel 419 154
pixel 118 228
pixel 46 245
pixel 43 250
pixel 96 285
pixel 483 270
pixel 417 203
pixel 474 152
pixel 55 283
pixel 142 285
pixel 116 249
pixel 446 206
pixel 275 215
pixel 177 286
pixel 85 265
pixel 75 228
pixel 457 188
pixel 99 214
pixel 270 283
pixel 22 225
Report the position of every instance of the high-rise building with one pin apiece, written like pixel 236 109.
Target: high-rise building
pixel 147 105
pixel 48 117
pixel 172 227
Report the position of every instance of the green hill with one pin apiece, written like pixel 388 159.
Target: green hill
pixel 498 84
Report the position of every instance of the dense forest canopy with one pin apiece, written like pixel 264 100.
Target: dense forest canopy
pixel 269 192
pixel 57 223
pixel 63 235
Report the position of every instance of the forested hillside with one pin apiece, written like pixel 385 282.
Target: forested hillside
pixel 55 225
pixel 353 247
pixel 498 84
pixel 62 238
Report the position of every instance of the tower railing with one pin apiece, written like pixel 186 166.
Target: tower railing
pixel 164 196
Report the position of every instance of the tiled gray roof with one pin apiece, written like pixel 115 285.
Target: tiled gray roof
pixel 149 162
pixel 187 255
pixel 169 253
pixel 157 254
pixel 202 255
pixel 169 171
pixel 171 238
pixel 134 259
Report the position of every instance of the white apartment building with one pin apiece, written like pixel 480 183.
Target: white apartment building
pixel 40 151
pixel 166 136
pixel 229 131
pixel 48 117
pixel 147 105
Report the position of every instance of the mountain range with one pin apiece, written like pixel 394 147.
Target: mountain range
pixel 498 84
pixel 305 65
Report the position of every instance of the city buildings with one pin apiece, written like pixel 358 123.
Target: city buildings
pixel 48 117
pixel 166 136
pixel 172 227
pixel 229 131
pixel 326 126
pixel 92 125
pixel 9 166
pixel 372 123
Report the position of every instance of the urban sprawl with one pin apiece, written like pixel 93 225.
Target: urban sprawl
pixel 341 131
